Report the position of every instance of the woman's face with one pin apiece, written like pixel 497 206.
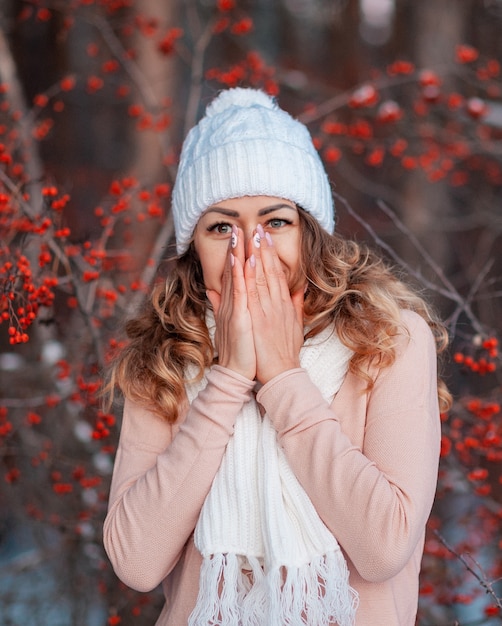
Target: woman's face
pixel 277 216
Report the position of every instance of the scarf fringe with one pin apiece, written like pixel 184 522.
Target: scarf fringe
pixel 234 591
pixel 268 558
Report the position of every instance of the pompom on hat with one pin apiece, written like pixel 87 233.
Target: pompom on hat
pixel 245 145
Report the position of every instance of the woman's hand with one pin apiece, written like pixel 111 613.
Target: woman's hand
pixel 277 315
pixel 234 335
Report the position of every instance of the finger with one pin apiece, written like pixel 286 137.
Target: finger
pixel 253 297
pixel 215 300
pixel 237 244
pixel 298 299
pixel 226 279
pixel 225 299
pixel 269 267
pixel 233 278
pixel 233 291
pixel 239 291
pixel 257 285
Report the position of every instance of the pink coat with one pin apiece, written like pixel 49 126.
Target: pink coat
pixel 368 462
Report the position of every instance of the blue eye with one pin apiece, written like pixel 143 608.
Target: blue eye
pixel 222 228
pixel 277 222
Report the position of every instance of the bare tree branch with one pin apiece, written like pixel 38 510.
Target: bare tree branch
pixel 479 575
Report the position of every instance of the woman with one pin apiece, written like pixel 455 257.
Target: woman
pixel 279 447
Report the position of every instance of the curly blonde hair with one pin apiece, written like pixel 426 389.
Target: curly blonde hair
pixel 348 285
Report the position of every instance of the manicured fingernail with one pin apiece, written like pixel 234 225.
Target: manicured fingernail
pixel 260 230
pixel 232 260
pixel 269 239
pixel 234 236
pixel 256 240
pixel 252 260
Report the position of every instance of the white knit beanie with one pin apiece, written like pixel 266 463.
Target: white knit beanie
pixel 247 146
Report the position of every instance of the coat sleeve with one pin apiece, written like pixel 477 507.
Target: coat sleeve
pixel 376 498
pixel 160 479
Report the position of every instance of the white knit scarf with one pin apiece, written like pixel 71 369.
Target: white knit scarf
pixel 268 559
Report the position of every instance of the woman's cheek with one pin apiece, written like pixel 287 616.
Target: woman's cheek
pixel 292 268
pixel 213 272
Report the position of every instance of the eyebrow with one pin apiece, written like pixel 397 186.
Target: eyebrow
pixel 261 212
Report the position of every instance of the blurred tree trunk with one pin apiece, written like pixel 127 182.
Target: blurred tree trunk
pixel 434 29
pixel 159 81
